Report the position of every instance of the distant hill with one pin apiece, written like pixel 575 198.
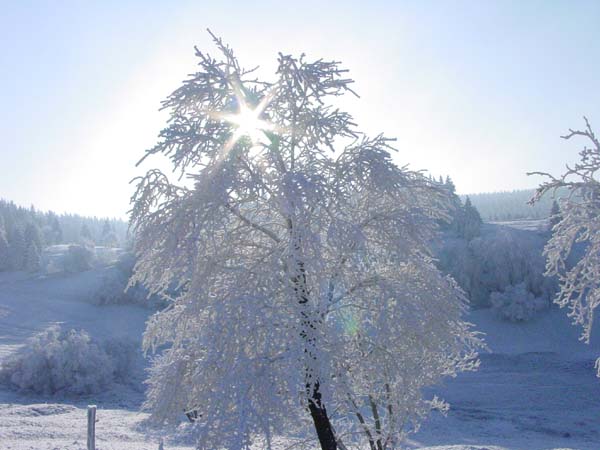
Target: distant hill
pixel 510 205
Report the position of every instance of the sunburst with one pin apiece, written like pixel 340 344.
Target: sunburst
pixel 247 120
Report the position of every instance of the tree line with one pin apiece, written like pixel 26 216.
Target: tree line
pixel 512 205
pixel 26 232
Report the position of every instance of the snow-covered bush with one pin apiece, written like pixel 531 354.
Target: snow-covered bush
pixel 501 257
pixel 59 362
pixel 105 256
pixel 69 362
pixel 114 289
pixel 123 354
pixel 111 290
pixel 78 259
pixel 517 303
pixel 52 267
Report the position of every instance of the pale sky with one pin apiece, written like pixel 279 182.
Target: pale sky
pixel 479 90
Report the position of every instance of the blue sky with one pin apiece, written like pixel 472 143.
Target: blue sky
pixel 479 90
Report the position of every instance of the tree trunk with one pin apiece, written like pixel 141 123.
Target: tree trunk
pixel 321 421
pixel 316 407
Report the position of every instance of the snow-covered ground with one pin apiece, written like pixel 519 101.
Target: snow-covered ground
pixel 526 224
pixel 536 389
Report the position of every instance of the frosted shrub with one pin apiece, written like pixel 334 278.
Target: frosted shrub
pixel 64 362
pixel 78 259
pixel 111 289
pixel 105 256
pixel 52 267
pixel 114 289
pixel 517 304
pixel 123 354
pixel 501 257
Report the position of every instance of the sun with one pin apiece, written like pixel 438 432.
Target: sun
pixel 247 120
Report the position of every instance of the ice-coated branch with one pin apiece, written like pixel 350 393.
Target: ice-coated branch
pixel 578 228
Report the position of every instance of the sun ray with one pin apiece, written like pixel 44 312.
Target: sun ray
pixel 247 119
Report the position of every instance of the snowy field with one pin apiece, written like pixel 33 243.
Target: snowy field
pixel 536 389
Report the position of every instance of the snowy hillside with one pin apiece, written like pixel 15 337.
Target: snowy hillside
pixel 535 390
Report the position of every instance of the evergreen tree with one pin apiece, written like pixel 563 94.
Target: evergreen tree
pixel 555 216
pixel 57 232
pixel 32 234
pixel 449 184
pixel 85 234
pixel 109 237
pixel 471 221
pixel 106 229
pixel 4 248
pixel 33 258
pixel 33 248
pixel 17 248
pixel 453 220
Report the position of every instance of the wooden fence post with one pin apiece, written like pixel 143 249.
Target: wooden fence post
pixel 91 427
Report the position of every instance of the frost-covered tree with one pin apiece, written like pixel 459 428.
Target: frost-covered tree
pixel 555 216
pixel 4 248
pixel 298 252
pixel 55 228
pixel 78 259
pixel 500 258
pixel 33 248
pixel 467 221
pixel 579 225
pixel 449 184
pixel 17 247
pixel 33 258
pixel 109 237
pixel 85 235
pixel 33 235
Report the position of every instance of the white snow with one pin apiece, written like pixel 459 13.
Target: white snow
pixel 28 305
pixel 536 389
